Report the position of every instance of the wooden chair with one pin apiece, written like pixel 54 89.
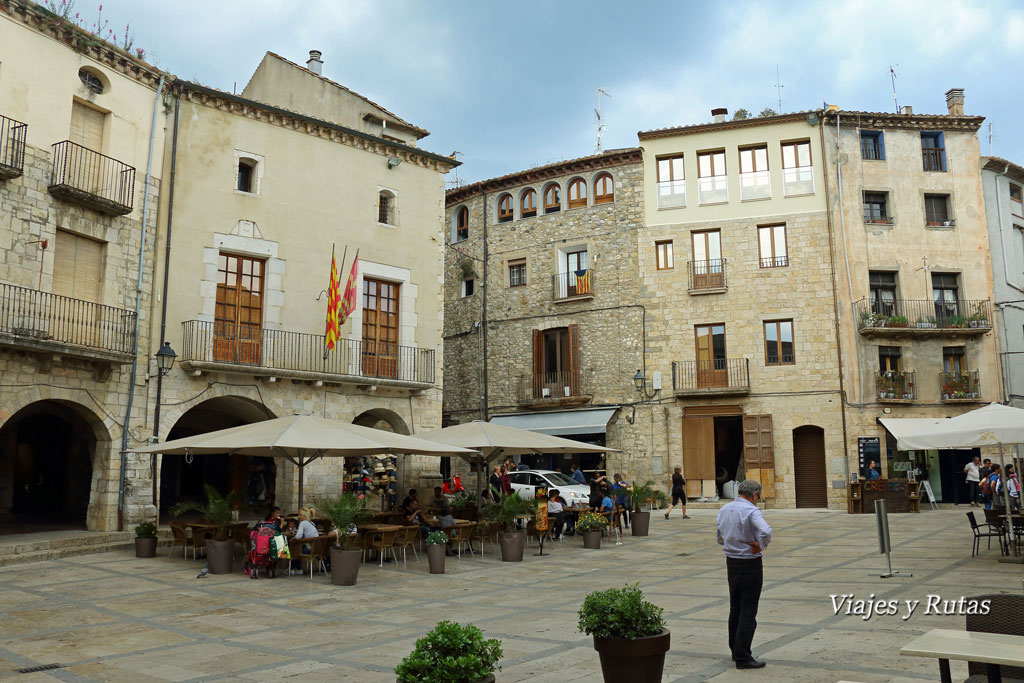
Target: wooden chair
pixel 1004 616
pixel 382 541
pixel 406 538
pixel 461 535
pixel 181 537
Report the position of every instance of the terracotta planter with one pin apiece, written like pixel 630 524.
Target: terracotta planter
pixel 489 679
pixel 345 566
pixel 512 544
pixel 435 557
pixel 640 523
pixel 220 556
pixel 592 539
pixel 638 661
pixel 145 547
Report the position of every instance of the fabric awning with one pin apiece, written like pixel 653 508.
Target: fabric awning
pixel 594 421
pixel 906 428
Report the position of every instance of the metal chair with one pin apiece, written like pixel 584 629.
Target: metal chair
pixel 994 519
pixel 1004 616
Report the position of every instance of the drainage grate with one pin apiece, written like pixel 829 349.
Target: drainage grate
pixel 41 667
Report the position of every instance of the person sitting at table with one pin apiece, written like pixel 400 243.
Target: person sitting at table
pixel 411 507
pixel 556 511
pixel 306 529
pixel 444 512
pixel 607 504
pixel 274 519
pixel 487 497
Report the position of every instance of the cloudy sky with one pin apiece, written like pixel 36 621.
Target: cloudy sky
pixel 512 85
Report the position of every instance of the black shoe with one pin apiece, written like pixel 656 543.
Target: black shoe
pixel 749 663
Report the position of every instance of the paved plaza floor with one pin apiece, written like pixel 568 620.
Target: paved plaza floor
pixel 112 617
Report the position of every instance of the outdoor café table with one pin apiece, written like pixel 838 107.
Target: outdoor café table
pixel 1014 529
pixel 993 649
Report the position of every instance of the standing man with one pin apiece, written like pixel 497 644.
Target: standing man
pixel 744 534
pixel 973 472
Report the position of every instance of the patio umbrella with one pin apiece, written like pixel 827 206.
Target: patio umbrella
pixel 302 439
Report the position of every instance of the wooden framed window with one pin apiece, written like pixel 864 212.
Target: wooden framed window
pixel 604 189
pixel 1015 193
pixel 933 151
pixel 875 209
pixel 953 359
pixel 671 182
pixel 712 363
pixel 708 265
pixel 505 212
pixel 946 295
pixel 712 181
pixel 238 313
pixel 517 273
pixel 936 209
pixel 468 287
pixel 556 362
pixel 462 224
pixel 771 243
pixel 755 182
pixel 380 328
pixel 797 168
pixel 890 359
pixel 778 343
pixel 882 284
pixel 872 145
pixel 664 254
pixel 528 204
pixel 552 198
pixel 246 171
pixel 577 193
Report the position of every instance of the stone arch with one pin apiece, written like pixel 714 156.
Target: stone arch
pixel 382 418
pixel 171 413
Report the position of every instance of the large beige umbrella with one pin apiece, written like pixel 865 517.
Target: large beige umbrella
pixel 301 439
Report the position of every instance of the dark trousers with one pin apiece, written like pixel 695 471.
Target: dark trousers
pixel 972 488
pixel 745 579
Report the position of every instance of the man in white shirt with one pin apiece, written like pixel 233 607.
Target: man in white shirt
pixel 973 472
pixel 744 534
pixel 556 511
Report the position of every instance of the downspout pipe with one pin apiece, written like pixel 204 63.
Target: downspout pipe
pixel 485 409
pixel 138 308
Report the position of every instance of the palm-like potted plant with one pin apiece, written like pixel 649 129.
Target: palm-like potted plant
pixel 437 544
pixel 591 525
pixel 344 511
pixel 451 653
pixel 217 512
pixel 145 539
pixel 629 634
pixel 640 520
pixel 511 540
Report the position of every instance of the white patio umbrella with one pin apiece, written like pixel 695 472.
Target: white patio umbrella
pixel 302 439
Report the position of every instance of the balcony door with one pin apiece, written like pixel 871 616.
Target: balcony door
pixel 238 320
pixel 87 131
pixel 946 294
pixel 711 366
pixel 575 284
pixel 556 362
pixel 707 260
pixel 72 315
pixel 380 328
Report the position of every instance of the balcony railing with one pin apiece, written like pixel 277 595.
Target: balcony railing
pixel 572 284
pixel 893 385
pixel 899 315
pixel 755 185
pixel 253 345
pixel 549 385
pixel 724 375
pixel 43 317
pixel 671 194
pixel 706 274
pixel 12 147
pixel 959 386
pixel 774 261
pixel 93 179
pixel 933 159
pixel 798 180
pixel 713 189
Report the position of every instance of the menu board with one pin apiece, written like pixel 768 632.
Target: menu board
pixel 868 448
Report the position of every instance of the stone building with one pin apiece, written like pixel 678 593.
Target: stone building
pixel 914 277
pixel 544 328
pixel 735 265
pixel 1004 208
pixel 81 147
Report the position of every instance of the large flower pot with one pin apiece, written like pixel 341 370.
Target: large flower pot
pixel 592 539
pixel 345 566
pixel 638 661
pixel 488 679
pixel 512 544
pixel 640 523
pixel 145 547
pixel 435 557
pixel 220 556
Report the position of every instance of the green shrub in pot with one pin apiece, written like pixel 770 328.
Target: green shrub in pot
pixel 146 530
pixel 620 613
pixel 216 511
pixel 451 653
pixel 343 511
pixel 640 494
pixel 437 537
pixel 506 510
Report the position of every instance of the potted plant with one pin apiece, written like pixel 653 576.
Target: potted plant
pixel 344 511
pixel 437 544
pixel 451 653
pixel 927 322
pixel 217 511
pixel 640 521
pixel 956 321
pixel 978 319
pixel 629 634
pixel 591 525
pixel 145 539
pixel 511 540
pixel 661 499
pixel 465 507
pixel 896 321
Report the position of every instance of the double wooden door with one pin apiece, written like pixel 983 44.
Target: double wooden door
pixel 380 328
pixel 238 319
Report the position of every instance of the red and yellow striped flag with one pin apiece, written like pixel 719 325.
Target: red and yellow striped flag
pixel 349 301
pixel 333 304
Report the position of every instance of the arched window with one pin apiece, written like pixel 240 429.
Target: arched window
pixel 577 193
pixel 92 80
pixel 386 207
pixel 552 198
pixel 462 224
pixel 505 208
pixel 604 189
pixel 528 204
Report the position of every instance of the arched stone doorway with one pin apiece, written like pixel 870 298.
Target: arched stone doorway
pixel 185 477
pixel 809 467
pixel 381 418
pixel 48 466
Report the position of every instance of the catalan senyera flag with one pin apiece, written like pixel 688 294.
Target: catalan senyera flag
pixel 333 305
pixel 582 281
pixel 349 300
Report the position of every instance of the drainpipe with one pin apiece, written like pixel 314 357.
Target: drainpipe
pixel 484 410
pixel 138 307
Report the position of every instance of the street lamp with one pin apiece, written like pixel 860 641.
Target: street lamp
pixel 640 382
pixel 165 359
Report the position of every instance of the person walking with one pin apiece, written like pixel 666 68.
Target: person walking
pixel 678 493
pixel 1013 487
pixel 973 472
pixel 992 489
pixel 744 534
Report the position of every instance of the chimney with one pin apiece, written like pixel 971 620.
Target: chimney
pixel 315 64
pixel 719 114
pixel 906 109
pixel 955 101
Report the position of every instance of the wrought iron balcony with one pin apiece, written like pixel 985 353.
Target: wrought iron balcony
pixel 893 385
pixel 214 345
pixel 92 179
pixel 706 277
pixel 702 377
pixel 573 285
pixel 960 386
pixel 552 388
pixel 12 147
pixel 922 317
pixel 41 321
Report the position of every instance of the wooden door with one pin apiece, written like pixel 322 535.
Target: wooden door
pixel 707 260
pixel 238 318
pixel 809 467
pixel 575 261
pixel 759 452
pixel 698 453
pixel 711 358
pixel 83 170
pixel 78 276
pixel 380 328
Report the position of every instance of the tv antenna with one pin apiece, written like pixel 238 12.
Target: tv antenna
pixel 778 86
pixel 601 127
pixel 456 181
pixel 892 77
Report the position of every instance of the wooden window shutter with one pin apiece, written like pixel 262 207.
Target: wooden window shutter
pixel 574 359
pixel 759 452
pixel 87 127
pixel 77 267
pixel 538 363
pixel 698 453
